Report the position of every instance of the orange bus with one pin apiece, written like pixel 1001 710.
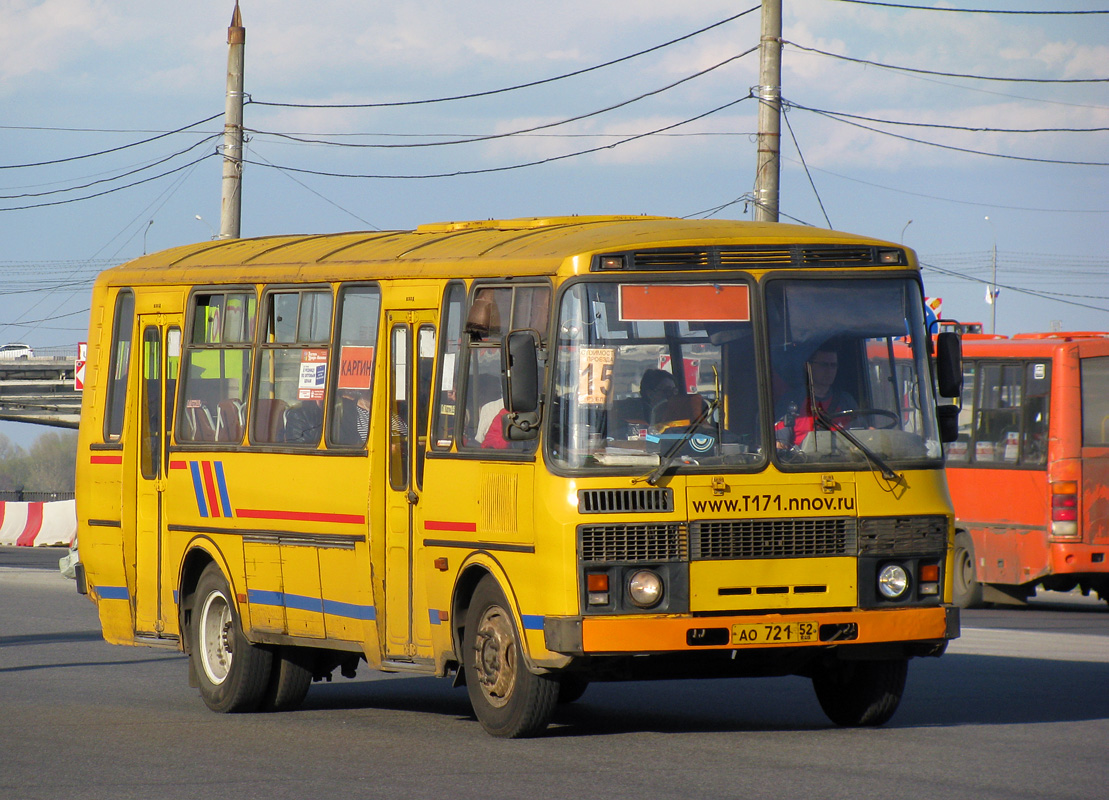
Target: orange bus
pixel 1029 472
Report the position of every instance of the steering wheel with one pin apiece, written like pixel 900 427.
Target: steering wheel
pixel 892 418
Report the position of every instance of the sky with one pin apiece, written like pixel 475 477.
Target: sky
pixel 112 115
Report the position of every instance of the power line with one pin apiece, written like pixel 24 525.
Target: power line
pixel 942 74
pixel 944 126
pixel 545 126
pixel 114 189
pixel 1018 289
pixel 962 149
pixel 967 10
pixel 114 177
pixel 528 85
pixel 955 200
pixel 486 170
pixel 111 149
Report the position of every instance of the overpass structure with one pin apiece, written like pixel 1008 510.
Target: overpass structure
pixel 40 390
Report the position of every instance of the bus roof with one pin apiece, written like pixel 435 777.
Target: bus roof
pixel 1031 345
pixel 529 246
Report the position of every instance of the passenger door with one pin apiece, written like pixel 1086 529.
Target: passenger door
pixel 411 357
pixel 158 359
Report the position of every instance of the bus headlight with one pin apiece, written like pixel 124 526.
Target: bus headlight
pixel 645 588
pixel 893 581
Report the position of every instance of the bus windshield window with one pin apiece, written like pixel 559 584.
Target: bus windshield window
pixel 649 370
pixel 850 355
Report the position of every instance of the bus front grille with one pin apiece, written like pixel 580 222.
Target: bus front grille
pixel 772 538
pixel 902 536
pixel 648 542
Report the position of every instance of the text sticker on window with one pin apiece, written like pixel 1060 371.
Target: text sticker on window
pixel 313 374
pixel 595 374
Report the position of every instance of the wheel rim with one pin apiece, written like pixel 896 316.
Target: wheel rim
pixel 494 656
pixel 215 637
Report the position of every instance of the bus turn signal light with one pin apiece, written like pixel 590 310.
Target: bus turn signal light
pixel 1064 508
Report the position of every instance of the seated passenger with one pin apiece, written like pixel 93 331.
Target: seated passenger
pixel 304 423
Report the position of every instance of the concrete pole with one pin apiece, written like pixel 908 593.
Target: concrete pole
pixel 769 93
pixel 231 210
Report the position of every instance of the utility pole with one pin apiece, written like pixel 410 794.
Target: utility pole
pixel 769 93
pixel 231 209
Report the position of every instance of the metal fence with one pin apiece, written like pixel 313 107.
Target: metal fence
pixel 35 497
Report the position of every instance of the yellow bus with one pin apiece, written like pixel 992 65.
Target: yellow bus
pixel 528 454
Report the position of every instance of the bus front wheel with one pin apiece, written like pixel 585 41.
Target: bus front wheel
pixel 966 591
pixel 232 673
pixel 861 693
pixel 509 701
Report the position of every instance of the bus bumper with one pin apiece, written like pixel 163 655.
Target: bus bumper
pixel 661 634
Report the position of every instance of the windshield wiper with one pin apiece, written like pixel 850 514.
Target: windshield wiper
pixel 667 459
pixel 821 416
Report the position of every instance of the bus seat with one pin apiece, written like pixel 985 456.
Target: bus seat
pixel 269 421
pixel 229 421
pixel 201 428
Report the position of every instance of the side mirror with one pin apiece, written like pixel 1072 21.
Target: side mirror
pixel 948 418
pixel 520 387
pixel 949 364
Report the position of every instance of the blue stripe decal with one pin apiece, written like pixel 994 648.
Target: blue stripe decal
pixel 299 602
pixel 263 598
pixel 221 482
pixel 351 610
pixel 198 488
pixel 433 614
pixel 113 592
pixel 313 604
pixel 532 622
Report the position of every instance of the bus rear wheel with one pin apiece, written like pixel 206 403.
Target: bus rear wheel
pixel 966 590
pixel 861 693
pixel 232 673
pixel 509 701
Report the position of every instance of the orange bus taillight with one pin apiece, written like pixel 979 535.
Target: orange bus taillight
pixel 1064 508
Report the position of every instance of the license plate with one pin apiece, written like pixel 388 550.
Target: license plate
pixel 776 633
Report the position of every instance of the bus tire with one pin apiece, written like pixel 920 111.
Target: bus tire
pixel 861 693
pixel 290 679
pixel 232 673
pixel 508 700
pixel 966 590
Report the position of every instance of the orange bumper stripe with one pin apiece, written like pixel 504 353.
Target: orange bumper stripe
pixel 662 634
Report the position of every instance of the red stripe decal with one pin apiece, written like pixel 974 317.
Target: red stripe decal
pixel 33 526
pixel 302 516
pixel 105 459
pixel 179 465
pixel 210 488
pixel 440 525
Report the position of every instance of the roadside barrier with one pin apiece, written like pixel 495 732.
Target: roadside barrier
pixel 45 524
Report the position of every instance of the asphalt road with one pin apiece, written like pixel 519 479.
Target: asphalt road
pixel 1018 708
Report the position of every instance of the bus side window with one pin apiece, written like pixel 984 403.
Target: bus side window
pixel 494 312
pixel 446 410
pixel 215 370
pixel 119 366
pixel 292 367
pixel 356 324
pixel 1037 400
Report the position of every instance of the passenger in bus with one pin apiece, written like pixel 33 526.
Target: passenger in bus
pixel 304 423
pixel 354 416
pixel 490 422
pixel 820 373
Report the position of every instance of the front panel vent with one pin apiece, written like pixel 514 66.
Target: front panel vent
pixel 607 543
pixel 752 256
pixel 625 501
pixel 902 536
pixel 772 538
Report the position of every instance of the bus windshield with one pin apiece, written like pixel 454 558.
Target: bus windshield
pixel 850 356
pixel 651 370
